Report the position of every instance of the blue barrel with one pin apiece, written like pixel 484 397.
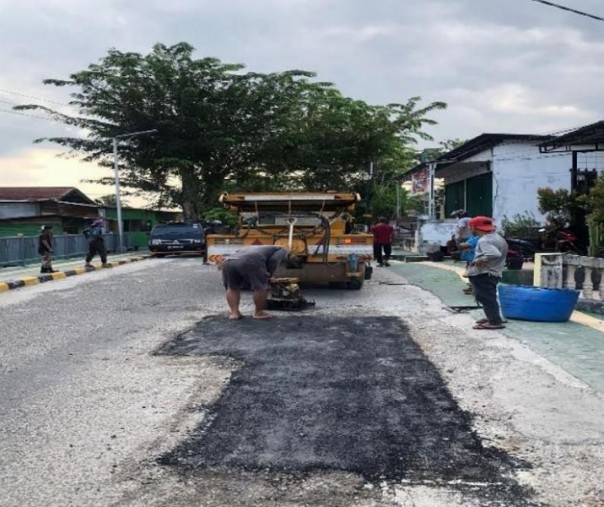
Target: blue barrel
pixel 537 303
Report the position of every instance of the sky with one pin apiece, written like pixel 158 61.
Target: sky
pixel 502 66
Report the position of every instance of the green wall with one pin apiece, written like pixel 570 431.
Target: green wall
pixel 27 229
pixel 139 222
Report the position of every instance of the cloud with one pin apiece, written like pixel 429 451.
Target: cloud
pixel 514 65
pixel 43 165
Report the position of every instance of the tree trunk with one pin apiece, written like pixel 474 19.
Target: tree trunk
pixel 191 194
pixel 200 191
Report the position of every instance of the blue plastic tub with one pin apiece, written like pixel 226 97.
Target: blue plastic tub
pixel 537 303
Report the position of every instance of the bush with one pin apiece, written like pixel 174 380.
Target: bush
pixel 521 225
pixel 557 206
pixel 224 215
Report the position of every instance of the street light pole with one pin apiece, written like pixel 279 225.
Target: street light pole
pixel 118 203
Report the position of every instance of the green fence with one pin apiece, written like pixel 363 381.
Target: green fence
pixel 22 250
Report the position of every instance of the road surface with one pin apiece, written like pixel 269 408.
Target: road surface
pixel 129 387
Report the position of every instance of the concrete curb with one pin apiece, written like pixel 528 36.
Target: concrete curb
pixel 60 275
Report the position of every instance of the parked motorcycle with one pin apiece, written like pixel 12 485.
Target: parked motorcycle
pixel 560 240
pixel 521 248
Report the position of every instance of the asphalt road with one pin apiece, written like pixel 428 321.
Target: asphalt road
pixel 130 387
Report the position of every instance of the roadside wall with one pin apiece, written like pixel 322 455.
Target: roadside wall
pixel 435 233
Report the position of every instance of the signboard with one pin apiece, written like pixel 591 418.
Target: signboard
pixel 420 181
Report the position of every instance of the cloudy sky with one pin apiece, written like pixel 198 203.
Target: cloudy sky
pixel 503 66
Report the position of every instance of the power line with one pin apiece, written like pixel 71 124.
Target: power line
pixel 28 115
pixel 552 4
pixel 33 97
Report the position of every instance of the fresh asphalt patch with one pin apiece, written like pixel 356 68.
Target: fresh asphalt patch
pixel 336 393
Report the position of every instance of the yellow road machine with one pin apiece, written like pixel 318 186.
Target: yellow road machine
pixel 314 225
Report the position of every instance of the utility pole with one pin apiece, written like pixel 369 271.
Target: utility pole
pixel 431 186
pixel 398 200
pixel 118 202
pixel 431 196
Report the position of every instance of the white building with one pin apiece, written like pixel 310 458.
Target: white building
pixel 498 175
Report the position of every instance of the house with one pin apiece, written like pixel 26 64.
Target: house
pixel 583 144
pixel 23 211
pixel 498 175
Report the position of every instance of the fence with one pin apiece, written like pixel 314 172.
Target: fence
pixel 557 270
pixel 22 250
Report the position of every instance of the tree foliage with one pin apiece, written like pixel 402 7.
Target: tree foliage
pixel 557 206
pixel 594 201
pixel 110 200
pixel 521 225
pixel 220 128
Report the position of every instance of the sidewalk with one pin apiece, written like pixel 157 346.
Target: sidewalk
pixel 576 346
pixel 21 276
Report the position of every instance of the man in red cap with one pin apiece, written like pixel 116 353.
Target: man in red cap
pixel 485 271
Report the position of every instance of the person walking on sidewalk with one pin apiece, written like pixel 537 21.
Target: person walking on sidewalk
pixel 383 236
pixel 45 249
pixel 485 271
pixel 96 242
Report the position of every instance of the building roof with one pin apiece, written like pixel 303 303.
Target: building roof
pixel 69 194
pixel 472 147
pixel 588 138
pixel 484 142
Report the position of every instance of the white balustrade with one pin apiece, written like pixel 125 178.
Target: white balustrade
pixel 557 270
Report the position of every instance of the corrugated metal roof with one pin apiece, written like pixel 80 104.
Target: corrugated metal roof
pixel 484 142
pixel 591 137
pixel 43 194
pixel 472 147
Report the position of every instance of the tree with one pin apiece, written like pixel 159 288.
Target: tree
pixel 556 206
pixel 594 202
pixel 399 160
pixel 221 128
pixel 110 200
pixel 564 210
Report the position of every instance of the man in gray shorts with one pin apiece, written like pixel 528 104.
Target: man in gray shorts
pixel 251 267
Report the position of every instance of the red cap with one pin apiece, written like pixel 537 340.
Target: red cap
pixel 484 224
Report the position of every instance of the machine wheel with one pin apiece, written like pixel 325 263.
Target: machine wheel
pixel 354 284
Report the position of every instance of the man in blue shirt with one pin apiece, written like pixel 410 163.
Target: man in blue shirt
pixel 468 251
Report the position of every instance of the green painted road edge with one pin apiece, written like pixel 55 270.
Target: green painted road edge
pixel 60 275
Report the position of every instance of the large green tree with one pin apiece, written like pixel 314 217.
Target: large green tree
pixel 220 128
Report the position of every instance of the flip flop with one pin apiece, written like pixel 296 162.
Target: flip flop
pixel 486 325
pixel 236 318
pixel 486 321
